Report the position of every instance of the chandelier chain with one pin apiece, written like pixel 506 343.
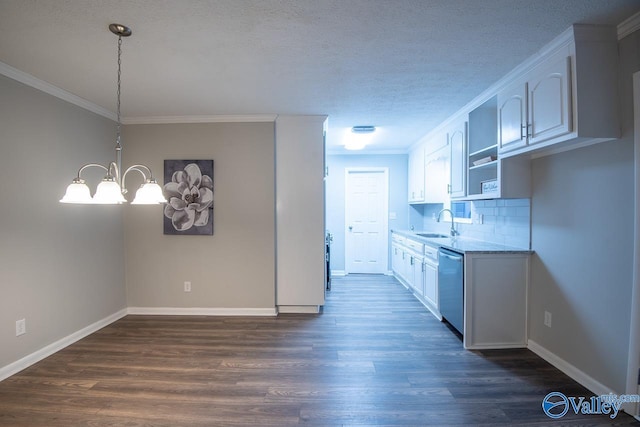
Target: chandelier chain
pixel 118 92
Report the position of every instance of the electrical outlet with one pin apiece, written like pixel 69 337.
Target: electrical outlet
pixel 187 286
pixel 21 327
pixel 547 319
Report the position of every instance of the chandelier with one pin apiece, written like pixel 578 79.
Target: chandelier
pixel 112 188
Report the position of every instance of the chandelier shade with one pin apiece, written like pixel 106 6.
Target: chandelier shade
pixel 109 192
pixel 78 193
pixel 111 189
pixel 149 193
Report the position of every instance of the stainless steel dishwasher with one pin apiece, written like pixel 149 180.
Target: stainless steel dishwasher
pixel 451 287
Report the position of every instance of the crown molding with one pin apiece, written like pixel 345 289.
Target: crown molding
pixel 628 26
pixel 34 82
pixel 241 118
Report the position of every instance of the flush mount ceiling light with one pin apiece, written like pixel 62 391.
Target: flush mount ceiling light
pixel 363 129
pixel 359 137
pixel 112 188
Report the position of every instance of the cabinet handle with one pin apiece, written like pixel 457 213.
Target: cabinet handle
pixel 523 131
pixel 448 188
pixel 423 267
pixel 411 261
pixel 529 130
pixel 402 255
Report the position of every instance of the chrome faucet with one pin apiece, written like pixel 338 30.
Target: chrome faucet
pixel 454 232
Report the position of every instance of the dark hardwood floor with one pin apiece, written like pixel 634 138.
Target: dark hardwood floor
pixel 375 356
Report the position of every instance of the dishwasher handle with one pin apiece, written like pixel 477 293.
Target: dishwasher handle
pixel 451 256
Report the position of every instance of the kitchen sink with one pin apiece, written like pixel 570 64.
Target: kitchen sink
pixel 433 235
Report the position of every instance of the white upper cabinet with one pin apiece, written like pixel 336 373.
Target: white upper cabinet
pixel 458 163
pixel 538 109
pixel 436 185
pixel 416 175
pixel 549 99
pixel 565 97
pixel 489 177
pixel 512 117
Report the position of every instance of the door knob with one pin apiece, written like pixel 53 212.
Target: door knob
pixel 351 228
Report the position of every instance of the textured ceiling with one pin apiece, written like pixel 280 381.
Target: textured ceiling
pixel 401 65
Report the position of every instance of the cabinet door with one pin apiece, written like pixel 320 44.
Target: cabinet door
pixel 458 160
pixel 416 175
pixel 407 269
pixel 436 182
pixel 512 117
pixel 415 271
pixel 396 260
pixel 550 100
pixel 418 276
pixel 431 284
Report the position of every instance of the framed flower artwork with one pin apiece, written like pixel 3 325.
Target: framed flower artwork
pixel 188 188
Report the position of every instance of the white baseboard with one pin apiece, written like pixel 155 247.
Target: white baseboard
pixel 338 273
pixel 195 311
pixel 303 309
pixel 25 362
pixel 596 387
pixel 389 273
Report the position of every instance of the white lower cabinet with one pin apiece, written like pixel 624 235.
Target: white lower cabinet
pixel 495 300
pixel 396 259
pixel 495 291
pixel 431 284
pixel 407 270
pixel 417 267
pixel 430 278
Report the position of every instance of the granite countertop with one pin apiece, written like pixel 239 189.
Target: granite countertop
pixel 463 244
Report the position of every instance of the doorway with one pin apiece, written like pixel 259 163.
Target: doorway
pixel 366 220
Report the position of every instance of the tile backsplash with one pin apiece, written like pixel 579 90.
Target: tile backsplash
pixel 505 221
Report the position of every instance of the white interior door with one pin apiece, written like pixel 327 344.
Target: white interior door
pixel 366 213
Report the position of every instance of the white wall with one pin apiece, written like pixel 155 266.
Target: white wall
pixel 61 266
pixel 582 235
pixel 234 268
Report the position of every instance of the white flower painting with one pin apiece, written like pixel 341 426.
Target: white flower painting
pixel 189 191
